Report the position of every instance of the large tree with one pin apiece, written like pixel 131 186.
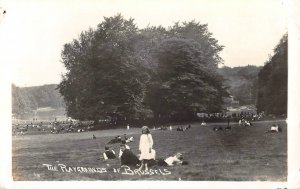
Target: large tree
pixel 104 75
pixel 272 81
pixel 185 80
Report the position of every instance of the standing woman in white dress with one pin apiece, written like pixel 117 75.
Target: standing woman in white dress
pixel 145 147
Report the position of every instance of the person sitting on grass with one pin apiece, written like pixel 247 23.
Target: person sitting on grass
pixel 177 159
pixel 128 158
pixel 126 146
pixel 247 123
pixel 109 154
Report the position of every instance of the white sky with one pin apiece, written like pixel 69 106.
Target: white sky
pixel 32 32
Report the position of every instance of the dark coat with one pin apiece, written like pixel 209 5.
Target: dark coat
pixel 128 158
pixel 110 155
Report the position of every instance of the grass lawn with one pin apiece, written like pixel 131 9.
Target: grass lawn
pixel 242 154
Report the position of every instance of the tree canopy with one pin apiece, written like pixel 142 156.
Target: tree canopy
pixel 185 83
pixel 121 71
pixel 272 81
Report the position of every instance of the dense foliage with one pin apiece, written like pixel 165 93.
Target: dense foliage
pixel 185 83
pixel 120 71
pixel 272 81
pixel 241 82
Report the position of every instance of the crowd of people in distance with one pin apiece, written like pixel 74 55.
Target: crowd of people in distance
pixel 275 128
pixel 55 127
pixel 147 156
pixel 170 128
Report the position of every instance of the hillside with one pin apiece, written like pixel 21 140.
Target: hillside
pixel 28 99
pixel 241 82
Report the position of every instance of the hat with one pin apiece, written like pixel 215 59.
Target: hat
pixel 145 128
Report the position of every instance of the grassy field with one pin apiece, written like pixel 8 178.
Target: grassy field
pixel 242 154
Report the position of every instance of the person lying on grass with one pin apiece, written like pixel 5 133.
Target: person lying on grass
pixel 117 139
pixel 274 129
pixel 128 158
pixel 177 159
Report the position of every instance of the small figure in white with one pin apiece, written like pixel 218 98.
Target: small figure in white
pixel 128 127
pixel 171 128
pixel 274 129
pixel 130 139
pixel 240 122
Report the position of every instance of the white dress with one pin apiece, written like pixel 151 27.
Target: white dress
pixel 146 143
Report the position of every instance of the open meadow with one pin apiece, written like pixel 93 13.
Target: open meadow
pixel 240 154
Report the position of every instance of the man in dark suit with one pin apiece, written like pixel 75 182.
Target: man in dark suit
pixel 109 154
pixel 128 158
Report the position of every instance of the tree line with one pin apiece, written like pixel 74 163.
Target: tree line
pixel 272 81
pixel 239 80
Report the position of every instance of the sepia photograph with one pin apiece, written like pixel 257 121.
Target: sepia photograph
pixel 140 90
